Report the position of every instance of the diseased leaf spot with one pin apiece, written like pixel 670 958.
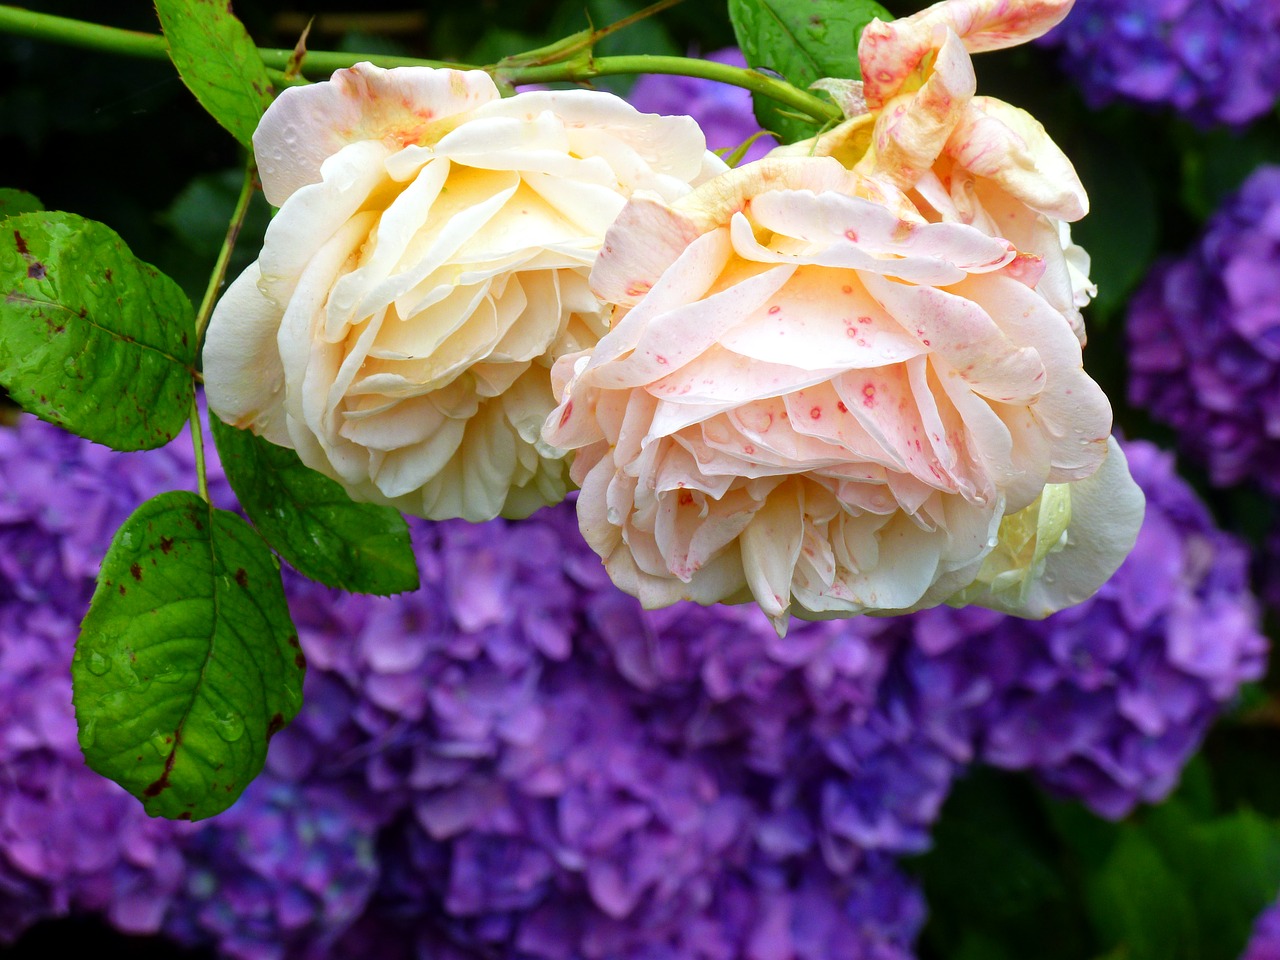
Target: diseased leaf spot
pixel 242 578
pixel 166 544
pixel 275 725
pixel 22 244
pixel 136 570
pixel 36 271
pixel 300 662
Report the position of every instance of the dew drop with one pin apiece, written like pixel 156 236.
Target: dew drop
pixel 161 743
pixel 87 734
pixel 98 664
pixel 229 727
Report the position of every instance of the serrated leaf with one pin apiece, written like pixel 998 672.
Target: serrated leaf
pixel 91 338
pixel 14 202
pixel 187 662
pixel 218 61
pixel 310 520
pixel 803 41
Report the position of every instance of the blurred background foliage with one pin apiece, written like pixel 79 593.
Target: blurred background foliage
pixel 1014 874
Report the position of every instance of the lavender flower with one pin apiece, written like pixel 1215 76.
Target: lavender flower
pixel 1204 335
pixel 724 112
pixel 1214 61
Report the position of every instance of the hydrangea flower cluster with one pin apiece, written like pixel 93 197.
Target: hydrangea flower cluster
pixel 1214 61
pixel 517 761
pixel 1105 702
pixel 1204 336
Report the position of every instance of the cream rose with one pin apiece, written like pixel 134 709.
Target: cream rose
pixel 961 157
pixel 428 264
pixel 814 397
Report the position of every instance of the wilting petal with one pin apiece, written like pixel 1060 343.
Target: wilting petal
pixel 890 52
pixel 1010 146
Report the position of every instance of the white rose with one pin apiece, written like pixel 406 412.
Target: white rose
pixel 427 266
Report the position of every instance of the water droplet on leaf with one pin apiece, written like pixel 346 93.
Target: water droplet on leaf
pixel 229 727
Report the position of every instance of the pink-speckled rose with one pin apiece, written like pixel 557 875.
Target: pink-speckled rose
pixel 813 397
pixel 428 264
pixel 965 158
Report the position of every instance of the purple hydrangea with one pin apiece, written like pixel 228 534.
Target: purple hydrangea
pixel 1107 700
pixel 723 111
pixel 283 874
pixel 584 779
pixel 1214 61
pixel 1265 942
pixel 69 840
pixel 517 761
pixel 1204 336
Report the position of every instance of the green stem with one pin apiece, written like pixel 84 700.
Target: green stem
pixel 134 43
pixel 228 244
pixel 247 189
pixel 580 71
pixel 321 63
pixel 197 443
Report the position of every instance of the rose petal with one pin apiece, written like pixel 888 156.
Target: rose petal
pixel 306 125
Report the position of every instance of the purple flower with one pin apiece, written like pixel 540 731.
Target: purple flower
pixel 283 873
pixel 723 111
pixel 1214 61
pixel 1204 335
pixel 1105 701
pixel 1265 942
pixel 517 761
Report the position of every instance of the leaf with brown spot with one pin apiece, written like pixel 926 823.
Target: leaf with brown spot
pixel 153 714
pixel 112 370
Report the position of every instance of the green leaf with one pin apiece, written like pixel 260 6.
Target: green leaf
pixel 803 41
pixel 1182 884
pixel 995 879
pixel 218 61
pixel 91 338
pixel 310 520
pixel 1138 902
pixel 14 202
pixel 1215 163
pixel 187 662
